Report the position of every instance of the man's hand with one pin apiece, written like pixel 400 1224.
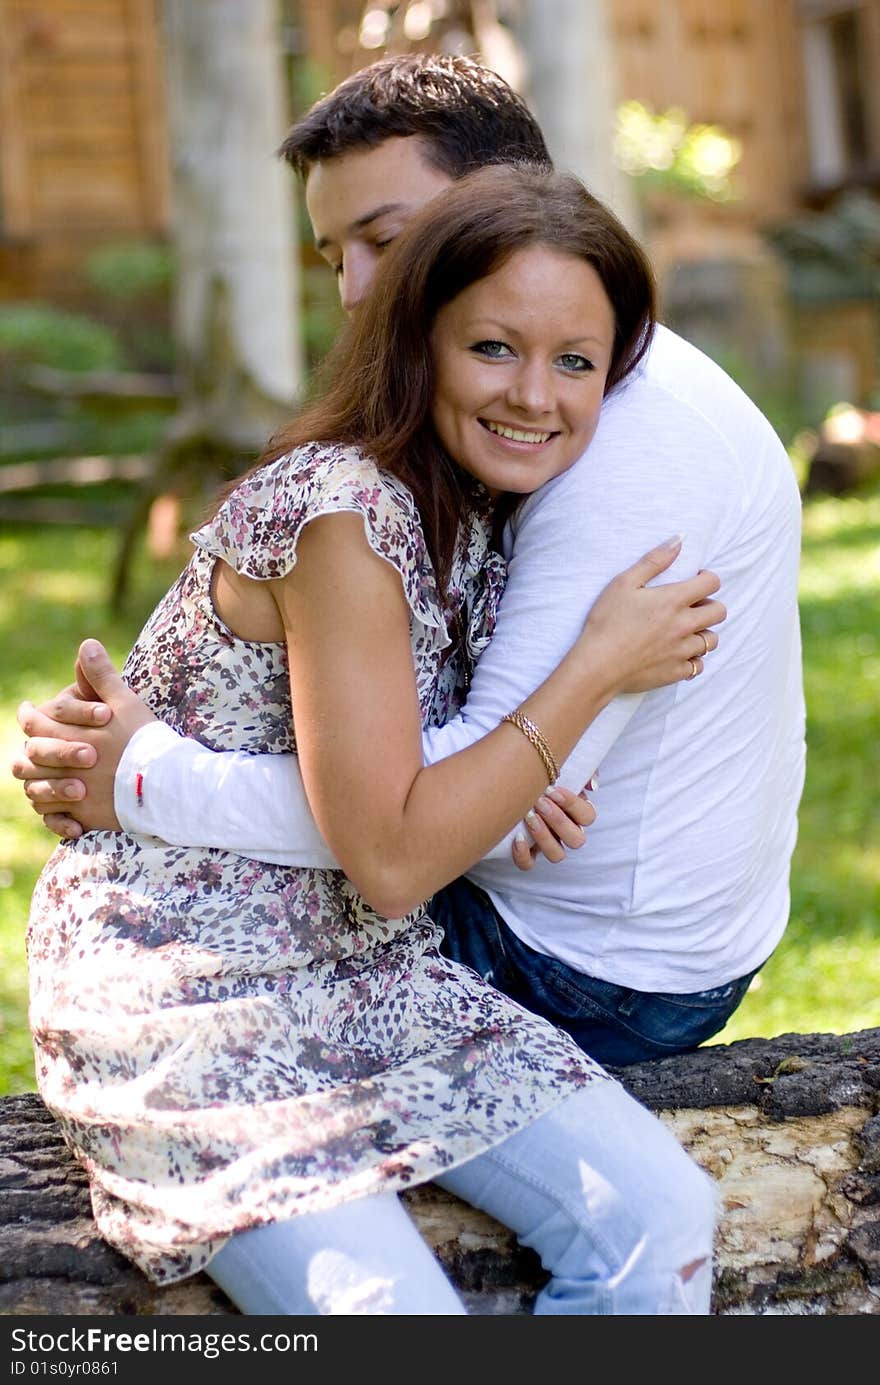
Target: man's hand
pixel 75 742
pixel 556 822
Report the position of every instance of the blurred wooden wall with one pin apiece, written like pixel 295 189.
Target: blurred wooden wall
pixel 83 153
pixel 735 64
pixel 795 82
pixel 83 147
pixel 774 74
pixel 740 64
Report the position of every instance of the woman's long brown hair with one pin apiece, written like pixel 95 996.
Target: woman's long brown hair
pixel 375 387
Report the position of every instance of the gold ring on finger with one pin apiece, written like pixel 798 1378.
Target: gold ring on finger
pixel 702 635
pixel 695 668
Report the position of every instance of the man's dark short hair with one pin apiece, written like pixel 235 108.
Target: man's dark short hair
pixel 465 113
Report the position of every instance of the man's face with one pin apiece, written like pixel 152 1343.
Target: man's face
pixel 360 201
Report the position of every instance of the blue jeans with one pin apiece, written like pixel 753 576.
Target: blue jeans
pixel 619 1214
pixel 614 1024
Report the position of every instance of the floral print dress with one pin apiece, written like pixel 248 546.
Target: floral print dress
pixel 228 1043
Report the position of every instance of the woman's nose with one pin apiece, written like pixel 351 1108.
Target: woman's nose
pixel 531 389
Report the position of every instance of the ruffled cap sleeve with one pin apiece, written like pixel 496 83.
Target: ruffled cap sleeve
pixel 257 528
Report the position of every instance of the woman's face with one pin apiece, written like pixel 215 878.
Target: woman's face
pixel 520 363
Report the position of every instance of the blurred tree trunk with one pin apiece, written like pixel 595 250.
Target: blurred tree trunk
pixel 571 88
pixel 237 282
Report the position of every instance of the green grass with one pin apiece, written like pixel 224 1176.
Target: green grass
pixel 825 974
pixel 53 590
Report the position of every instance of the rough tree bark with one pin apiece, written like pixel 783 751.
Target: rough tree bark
pixel 789 1128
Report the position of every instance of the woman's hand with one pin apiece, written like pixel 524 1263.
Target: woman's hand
pixel 652 636
pixel 555 824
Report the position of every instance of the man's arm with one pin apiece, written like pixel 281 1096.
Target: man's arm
pixel 256 805
pixel 97 751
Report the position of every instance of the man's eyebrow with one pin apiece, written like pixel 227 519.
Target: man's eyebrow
pixel 364 221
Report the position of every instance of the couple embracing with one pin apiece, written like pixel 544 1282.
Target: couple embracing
pixel 325 923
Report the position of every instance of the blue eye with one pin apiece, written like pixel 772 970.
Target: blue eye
pixel 572 360
pixel 494 350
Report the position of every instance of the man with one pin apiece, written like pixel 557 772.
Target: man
pixel 644 942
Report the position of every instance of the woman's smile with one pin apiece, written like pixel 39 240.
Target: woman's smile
pixel 510 432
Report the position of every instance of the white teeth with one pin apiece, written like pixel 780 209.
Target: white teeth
pixel 517 434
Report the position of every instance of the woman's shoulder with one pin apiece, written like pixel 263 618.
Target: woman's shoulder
pixel 321 472
pixel 256 530
pixel 316 477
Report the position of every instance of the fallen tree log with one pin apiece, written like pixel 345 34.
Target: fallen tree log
pixel 788 1127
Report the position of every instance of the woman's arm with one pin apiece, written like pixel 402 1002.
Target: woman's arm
pixel 111 763
pixel 400 830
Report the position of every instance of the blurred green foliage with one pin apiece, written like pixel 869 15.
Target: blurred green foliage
pixel 128 271
pixel 39 334
pixel 833 255
pixel 776 393
pixel 130 284
pixel 322 314
pixel 662 150
pixel 127 329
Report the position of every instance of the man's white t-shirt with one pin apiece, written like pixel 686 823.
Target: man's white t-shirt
pixel 683 883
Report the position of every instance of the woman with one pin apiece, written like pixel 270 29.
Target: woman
pixel 252 1061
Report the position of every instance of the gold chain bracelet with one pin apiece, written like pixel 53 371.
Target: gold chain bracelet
pixel 532 734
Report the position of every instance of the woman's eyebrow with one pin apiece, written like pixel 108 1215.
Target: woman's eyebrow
pixel 505 329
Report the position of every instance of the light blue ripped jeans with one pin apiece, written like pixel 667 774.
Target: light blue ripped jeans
pixel 620 1215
